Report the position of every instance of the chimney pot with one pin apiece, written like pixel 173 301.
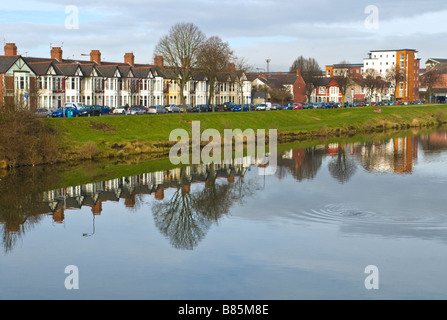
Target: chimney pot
pixel 129 59
pixel 10 49
pixel 95 56
pixel 158 61
pixel 56 53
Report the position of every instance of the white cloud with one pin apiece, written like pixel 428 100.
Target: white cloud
pixel 256 29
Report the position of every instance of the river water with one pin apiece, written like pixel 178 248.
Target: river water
pixel 357 220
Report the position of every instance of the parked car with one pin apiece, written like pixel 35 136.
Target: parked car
pixel 205 108
pixel 172 108
pixel 228 106
pixel 42 113
pixel 135 110
pixel 239 108
pixel 297 106
pixel 90 111
pixel 65 112
pixel 119 110
pixel 158 109
pixel 263 107
pixel 276 106
pixel 104 109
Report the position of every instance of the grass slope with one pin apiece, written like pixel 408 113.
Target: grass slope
pixel 83 138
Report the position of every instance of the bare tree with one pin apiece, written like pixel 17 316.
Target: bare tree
pixel 310 71
pixel 179 48
pixel 238 74
pixel 431 79
pixel 395 76
pixel 343 79
pixel 371 82
pixel 279 91
pixel 213 57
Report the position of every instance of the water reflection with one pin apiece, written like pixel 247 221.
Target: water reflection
pixel 186 216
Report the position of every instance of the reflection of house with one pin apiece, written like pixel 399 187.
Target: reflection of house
pixel 128 188
pixel 397 155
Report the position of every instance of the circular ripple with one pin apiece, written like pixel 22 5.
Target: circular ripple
pixel 337 212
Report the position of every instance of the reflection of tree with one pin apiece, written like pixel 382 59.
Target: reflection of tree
pixel 185 218
pixel 178 220
pixel 21 201
pixel 342 168
pixel 303 164
pixel 215 199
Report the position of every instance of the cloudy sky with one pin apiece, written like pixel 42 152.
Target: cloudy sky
pixel 279 30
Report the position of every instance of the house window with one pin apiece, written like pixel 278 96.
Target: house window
pixel 21 82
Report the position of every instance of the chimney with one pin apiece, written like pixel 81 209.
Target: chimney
pixel 129 59
pixel 56 53
pixel 10 49
pixel 231 67
pixel 158 61
pixel 95 56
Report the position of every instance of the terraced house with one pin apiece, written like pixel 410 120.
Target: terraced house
pixel 54 81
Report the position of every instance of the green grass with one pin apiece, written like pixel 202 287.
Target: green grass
pixel 122 135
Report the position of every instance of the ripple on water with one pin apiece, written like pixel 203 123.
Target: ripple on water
pixel 333 213
pixel 337 213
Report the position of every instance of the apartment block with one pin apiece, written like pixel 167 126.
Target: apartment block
pixel 404 61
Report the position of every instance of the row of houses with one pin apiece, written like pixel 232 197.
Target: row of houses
pixel 54 81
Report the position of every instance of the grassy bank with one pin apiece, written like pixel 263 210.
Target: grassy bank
pixel 119 136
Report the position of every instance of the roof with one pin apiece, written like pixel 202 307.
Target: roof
pixel 6 62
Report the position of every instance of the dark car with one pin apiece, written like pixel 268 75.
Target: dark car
pixel 67 112
pixel 104 109
pixel 90 111
pixel 205 107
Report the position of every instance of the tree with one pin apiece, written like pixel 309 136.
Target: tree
pixel 279 91
pixel 310 71
pixel 238 75
pixel 343 79
pixel 179 49
pixel 395 76
pixel 213 57
pixel 430 79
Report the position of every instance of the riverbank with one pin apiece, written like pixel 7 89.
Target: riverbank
pixel 121 136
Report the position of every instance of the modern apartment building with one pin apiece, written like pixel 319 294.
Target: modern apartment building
pixel 404 61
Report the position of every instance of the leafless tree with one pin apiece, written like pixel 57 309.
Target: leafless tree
pixel 431 79
pixel 371 82
pixel 395 76
pixel 213 57
pixel 241 66
pixel 179 49
pixel 310 71
pixel 343 79
pixel 279 91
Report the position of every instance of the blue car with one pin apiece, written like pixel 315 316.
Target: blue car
pixel 66 112
pixel 238 108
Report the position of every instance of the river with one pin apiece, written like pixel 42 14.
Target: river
pixel 342 220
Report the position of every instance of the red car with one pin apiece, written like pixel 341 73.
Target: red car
pixel 297 106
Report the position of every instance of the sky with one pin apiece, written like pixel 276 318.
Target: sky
pixel 256 30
